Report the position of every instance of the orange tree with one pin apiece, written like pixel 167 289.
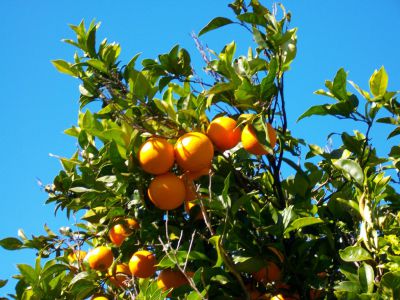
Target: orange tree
pixel 160 190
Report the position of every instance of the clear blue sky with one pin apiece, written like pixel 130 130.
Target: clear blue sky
pixel 38 103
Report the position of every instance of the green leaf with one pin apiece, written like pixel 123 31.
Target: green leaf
pixel 321 110
pixel 348 286
pixel 354 253
pixel 3 282
pixel 252 18
pixel 248 264
pixel 302 222
pixel 339 85
pixel 64 67
pixel 378 82
pixel 390 285
pixel 11 243
pixel 214 24
pixel 215 240
pixel 28 273
pixel 350 169
pixel 366 278
pixel 98 65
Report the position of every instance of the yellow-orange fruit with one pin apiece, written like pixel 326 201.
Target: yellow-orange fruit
pixel 142 264
pixel 269 273
pixel 194 151
pixel 120 231
pixel 170 279
pixel 120 275
pixel 252 145
pixel 99 297
pixel 167 191
pixel 156 156
pixel 77 255
pixel 100 258
pixel 188 206
pixel 224 133
pixel 194 175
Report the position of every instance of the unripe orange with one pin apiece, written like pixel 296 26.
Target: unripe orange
pixel 224 133
pixel 250 141
pixel 168 279
pixel 167 191
pixel 142 264
pixel 194 151
pixel 100 258
pixel 156 156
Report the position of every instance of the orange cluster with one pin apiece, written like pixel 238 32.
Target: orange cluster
pixel 193 153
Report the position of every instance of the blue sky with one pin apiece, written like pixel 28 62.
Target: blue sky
pixel 38 103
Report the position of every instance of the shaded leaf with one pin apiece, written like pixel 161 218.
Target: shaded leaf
pixel 11 243
pixel 354 253
pixel 214 24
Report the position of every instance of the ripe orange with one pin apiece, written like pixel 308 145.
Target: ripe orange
pixel 269 273
pixel 119 232
pixel 316 294
pixel 167 191
pixel 252 145
pixel 142 264
pixel 156 156
pixel 77 255
pixel 194 175
pixel 188 206
pixel 100 258
pixel 224 133
pixel 99 297
pixel 120 275
pixel 168 279
pixel 194 151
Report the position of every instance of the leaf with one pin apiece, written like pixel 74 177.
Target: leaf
pixel 339 85
pixel 98 65
pixel 354 253
pixel 302 222
pixel 11 243
pixel 3 282
pixel 390 285
pixel 81 189
pixel 214 24
pixel 348 286
pixel 252 18
pixel 215 240
pixel 366 278
pixel 64 67
pixel 350 169
pixel 321 110
pixel 220 87
pixel 378 82
pixel 28 273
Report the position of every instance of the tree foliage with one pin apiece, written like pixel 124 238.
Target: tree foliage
pixel 331 229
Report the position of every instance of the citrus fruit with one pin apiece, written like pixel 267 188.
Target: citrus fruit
pixel 121 230
pixel 168 279
pixel 142 264
pixel 77 255
pixel 167 191
pixel 100 258
pixel 194 175
pixel 156 156
pixel 224 133
pixel 99 297
pixel 269 273
pixel 120 275
pixel 252 145
pixel 194 151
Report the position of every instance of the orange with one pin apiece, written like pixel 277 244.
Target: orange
pixel 156 156
pixel 194 175
pixel 278 297
pixel 194 151
pixel 252 145
pixel 100 258
pixel 188 206
pixel 99 297
pixel 224 133
pixel 170 279
pixel 269 273
pixel 76 255
pixel 120 275
pixel 167 191
pixel 142 264
pixel 120 231
pixel 316 294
